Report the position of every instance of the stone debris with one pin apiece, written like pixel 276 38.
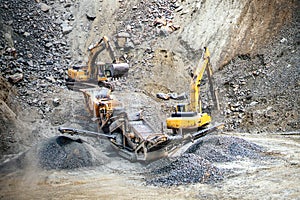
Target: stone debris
pixel 56 102
pixel 91 15
pixel 187 169
pixel 64 153
pixel 163 96
pixel 147 20
pixel 262 91
pixel 42 56
pixel 174 96
pixel 196 165
pixel 15 78
pixel 45 7
pixel 225 149
pixel 166 24
pixel 66 28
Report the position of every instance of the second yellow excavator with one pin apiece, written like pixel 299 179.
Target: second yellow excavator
pixel 190 116
pixel 98 73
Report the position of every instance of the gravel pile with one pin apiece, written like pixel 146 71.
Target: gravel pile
pixel 225 149
pixel 195 166
pixel 64 153
pixel 187 169
pixel 58 152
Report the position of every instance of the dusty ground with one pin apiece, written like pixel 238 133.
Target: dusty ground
pixel 272 178
pixel 258 92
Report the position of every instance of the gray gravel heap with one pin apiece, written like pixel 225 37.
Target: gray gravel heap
pixel 195 166
pixel 64 153
pixel 225 149
pixel 187 169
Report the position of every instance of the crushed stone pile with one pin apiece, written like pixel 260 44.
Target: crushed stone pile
pixel 225 149
pixel 186 169
pixel 196 165
pixel 59 152
pixel 62 152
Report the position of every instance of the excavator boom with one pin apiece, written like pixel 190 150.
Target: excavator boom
pixel 95 50
pixel 204 64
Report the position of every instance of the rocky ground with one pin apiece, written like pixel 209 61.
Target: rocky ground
pixel 41 39
pixel 261 94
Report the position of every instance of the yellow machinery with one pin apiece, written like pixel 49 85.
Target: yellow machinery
pixel 133 137
pixel 101 105
pixel 98 72
pixel 190 116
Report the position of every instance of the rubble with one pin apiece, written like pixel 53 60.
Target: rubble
pixel 186 169
pixel 174 96
pixel 165 24
pixel 90 10
pixel 64 153
pixel 41 56
pixel 56 102
pixel 15 78
pixel 259 84
pixel 66 28
pixel 148 19
pixel 45 7
pixel 225 148
pixel 91 15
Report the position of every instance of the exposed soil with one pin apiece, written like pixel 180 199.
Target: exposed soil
pixel 255 56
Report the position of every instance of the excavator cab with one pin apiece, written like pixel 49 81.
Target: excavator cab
pixel 181 107
pixel 104 72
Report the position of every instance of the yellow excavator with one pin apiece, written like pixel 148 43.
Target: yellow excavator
pixel 190 116
pixel 99 73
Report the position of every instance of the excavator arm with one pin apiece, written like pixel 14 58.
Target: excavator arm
pixel 195 104
pixel 95 50
pixel 205 65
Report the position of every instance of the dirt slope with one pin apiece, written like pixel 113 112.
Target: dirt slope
pixel 234 28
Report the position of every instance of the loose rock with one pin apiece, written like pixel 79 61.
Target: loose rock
pixel 186 169
pixel 45 7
